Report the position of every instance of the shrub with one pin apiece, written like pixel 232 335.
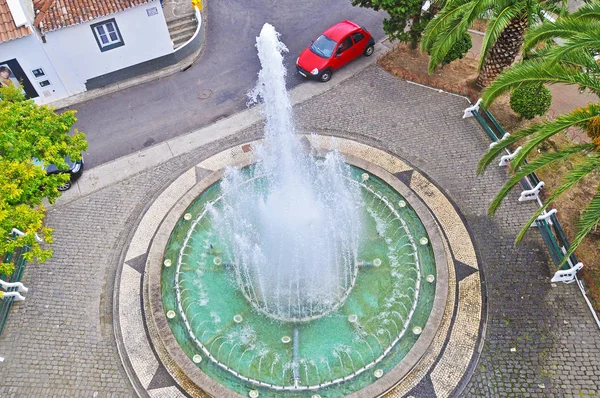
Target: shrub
pixel 530 100
pixel 29 131
pixel 459 49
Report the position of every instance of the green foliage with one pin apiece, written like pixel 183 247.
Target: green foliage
pixel 400 13
pixel 457 16
pixel 449 25
pixel 570 61
pixel 29 131
pixel 530 100
pixel 536 135
pixel 541 71
pixel 459 49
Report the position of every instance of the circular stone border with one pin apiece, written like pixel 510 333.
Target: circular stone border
pixel 202 380
pixel 441 371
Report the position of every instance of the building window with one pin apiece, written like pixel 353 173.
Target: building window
pixel 107 35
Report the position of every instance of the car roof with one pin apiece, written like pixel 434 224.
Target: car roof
pixel 338 31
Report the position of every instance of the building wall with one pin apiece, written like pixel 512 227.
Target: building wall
pixel 77 57
pixel 30 55
pixel 28 9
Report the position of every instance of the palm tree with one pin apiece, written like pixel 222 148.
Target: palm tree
pixel 574 61
pixel 508 22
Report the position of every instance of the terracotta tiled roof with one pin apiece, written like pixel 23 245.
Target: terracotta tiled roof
pixel 56 14
pixel 8 29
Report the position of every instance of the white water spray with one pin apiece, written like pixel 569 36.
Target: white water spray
pixel 293 233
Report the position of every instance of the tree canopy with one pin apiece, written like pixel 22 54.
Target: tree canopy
pixel 31 135
pixel 508 20
pixel 402 13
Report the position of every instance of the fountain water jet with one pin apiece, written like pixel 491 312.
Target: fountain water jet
pixel 283 238
pixel 294 243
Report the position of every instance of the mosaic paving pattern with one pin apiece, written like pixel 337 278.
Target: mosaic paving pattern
pixel 540 338
pixel 442 367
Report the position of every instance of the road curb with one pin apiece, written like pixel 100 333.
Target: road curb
pixel 122 168
pixel 144 78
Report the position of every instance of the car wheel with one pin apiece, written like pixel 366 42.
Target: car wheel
pixel 369 50
pixel 65 186
pixel 326 75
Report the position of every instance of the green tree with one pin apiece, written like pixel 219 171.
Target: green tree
pixel 571 62
pixel 459 49
pixel 28 132
pixel 531 100
pixel 400 13
pixel 508 20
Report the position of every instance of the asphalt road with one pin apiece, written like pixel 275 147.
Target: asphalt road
pixel 126 121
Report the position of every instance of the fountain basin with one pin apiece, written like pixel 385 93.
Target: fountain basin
pixel 391 346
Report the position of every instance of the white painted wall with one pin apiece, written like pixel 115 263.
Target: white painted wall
pixel 77 57
pixel 28 9
pixel 30 54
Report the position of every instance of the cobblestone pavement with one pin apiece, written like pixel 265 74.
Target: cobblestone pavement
pixel 540 341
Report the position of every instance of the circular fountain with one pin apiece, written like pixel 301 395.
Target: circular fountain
pixel 302 272
pixel 276 327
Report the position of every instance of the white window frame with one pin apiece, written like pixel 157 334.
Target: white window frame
pixel 97 29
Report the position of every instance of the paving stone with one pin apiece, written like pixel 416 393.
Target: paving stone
pixel 60 341
pixel 425 128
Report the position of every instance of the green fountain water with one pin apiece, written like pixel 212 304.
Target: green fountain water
pixel 298 274
pixel 338 353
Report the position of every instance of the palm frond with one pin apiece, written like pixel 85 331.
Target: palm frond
pixel 589 11
pixel 538 71
pixel 453 11
pixel 581 60
pixel 497 149
pixel 547 129
pixel 439 3
pixel 572 177
pixel 589 41
pixel 589 220
pixel 563 28
pixel 444 43
pixel 532 167
pixel 557 8
pixel 454 20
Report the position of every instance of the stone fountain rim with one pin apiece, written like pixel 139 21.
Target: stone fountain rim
pixel 182 368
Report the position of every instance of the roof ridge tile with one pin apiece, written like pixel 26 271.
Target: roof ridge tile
pixel 63 13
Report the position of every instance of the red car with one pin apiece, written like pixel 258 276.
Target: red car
pixel 337 46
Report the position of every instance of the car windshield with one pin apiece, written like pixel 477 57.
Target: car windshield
pixel 51 167
pixel 323 46
pixel 38 163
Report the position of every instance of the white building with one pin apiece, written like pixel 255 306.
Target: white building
pixel 58 48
